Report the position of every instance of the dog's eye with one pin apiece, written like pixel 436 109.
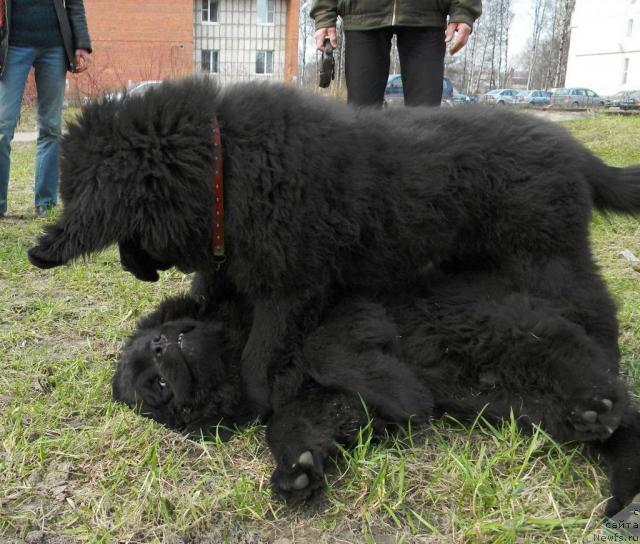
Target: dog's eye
pixel 161 382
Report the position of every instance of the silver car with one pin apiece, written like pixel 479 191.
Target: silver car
pixel 533 98
pixel 576 97
pixel 625 100
pixel 500 96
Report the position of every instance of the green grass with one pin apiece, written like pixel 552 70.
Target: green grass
pixel 28 121
pixel 81 467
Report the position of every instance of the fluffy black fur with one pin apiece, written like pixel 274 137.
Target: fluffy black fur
pixel 319 195
pixel 468 347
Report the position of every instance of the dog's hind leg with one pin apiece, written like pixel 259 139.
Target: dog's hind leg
pixel 621 453
pixel 356 351
pixel 583 399
pixel 519 352
pixel 574 283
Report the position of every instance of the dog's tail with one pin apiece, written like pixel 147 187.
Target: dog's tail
pixel 615 189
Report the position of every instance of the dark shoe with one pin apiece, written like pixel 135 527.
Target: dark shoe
pixel 42 211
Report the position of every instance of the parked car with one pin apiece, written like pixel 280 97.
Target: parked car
pixel 576 97
pixel 393 92
pixel 461 98
pixel 533 98
pixel 631 101
pixel 500 96
pixel 613 101
pixel 136 89
pixel 142 87
pixel 625 100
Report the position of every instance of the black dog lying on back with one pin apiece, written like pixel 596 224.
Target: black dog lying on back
pixel 471 345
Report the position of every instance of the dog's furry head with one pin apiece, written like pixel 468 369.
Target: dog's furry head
pixel 137 171
pixel 176 374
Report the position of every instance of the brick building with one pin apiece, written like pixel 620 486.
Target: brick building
pixel 157 39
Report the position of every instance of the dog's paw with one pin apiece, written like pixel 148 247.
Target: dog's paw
pixel 621 514
pixel 596 417
pixel 299 479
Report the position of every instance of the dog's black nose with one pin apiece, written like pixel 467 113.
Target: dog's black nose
pixel 159 345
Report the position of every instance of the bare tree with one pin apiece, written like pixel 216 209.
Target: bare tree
pixel 307 28
pixel 485 61
pixel 548 45
pixel 560 72
pixel 539 14
pixel 507 14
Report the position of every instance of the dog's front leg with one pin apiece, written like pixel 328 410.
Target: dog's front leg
pixel 278 325
pixel 214 286
pixel 304 434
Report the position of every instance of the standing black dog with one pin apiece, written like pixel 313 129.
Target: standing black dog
pixel 319 196
pixel 471 346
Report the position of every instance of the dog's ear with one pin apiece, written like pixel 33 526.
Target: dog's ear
pixel 52 249
pixel 78 232
pixel 171 309
pixel 136 260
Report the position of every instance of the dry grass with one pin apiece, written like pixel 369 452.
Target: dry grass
pixel 81 468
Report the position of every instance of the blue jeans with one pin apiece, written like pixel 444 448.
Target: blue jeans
pixel 50 70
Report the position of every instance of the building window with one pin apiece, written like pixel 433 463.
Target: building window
pixel 209 61
pixel 209 11
pixel 264 62
pixel 625 70
pixel 630 27
pixel 266 11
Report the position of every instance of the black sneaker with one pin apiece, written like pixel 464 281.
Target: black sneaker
pixel 41 211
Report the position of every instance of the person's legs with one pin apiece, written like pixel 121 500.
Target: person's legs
pixel 12 82
pixel 367 65
pixel 421 51
pixel 51 69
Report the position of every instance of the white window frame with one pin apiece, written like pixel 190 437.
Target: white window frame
pixel 208 10
pixel 211 56
pixel 266 53
pixel 270 14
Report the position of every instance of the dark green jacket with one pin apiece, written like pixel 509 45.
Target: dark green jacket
pixel 370 14
pixel 73 27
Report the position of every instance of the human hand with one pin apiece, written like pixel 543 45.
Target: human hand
pixel 461 31
pixel 322 33
pixel 83 59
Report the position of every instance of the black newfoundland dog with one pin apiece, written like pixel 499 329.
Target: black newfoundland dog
pixel 319 197
pixel 471 345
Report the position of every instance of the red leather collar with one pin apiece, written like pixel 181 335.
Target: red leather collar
pixel 217 236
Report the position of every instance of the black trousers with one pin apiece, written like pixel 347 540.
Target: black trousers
pixel 367 60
